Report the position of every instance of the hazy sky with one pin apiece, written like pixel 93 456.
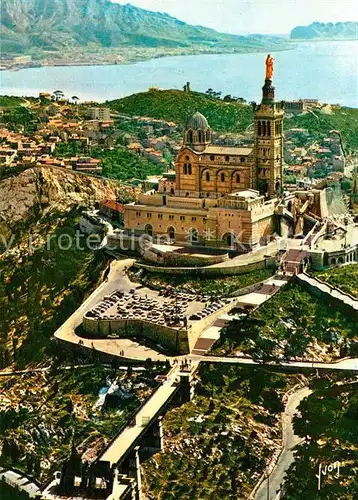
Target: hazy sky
pixel 254 16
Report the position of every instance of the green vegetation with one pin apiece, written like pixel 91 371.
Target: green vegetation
pixel 20 118
pixel 38 293
pixel 7 101
pixel 122 164
pixel 345 278
pixel 58 410
pixel 319 124
pixel 226 116
pixel 218 445
pixel 178 106
pixel 8 493
pixel 217 287
pixel 291 324
pixel 327 421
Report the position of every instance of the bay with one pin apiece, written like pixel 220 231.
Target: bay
pixel 319 70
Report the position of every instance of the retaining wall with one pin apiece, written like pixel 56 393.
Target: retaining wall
pixel 212 271
pixel 328 297
pixel 170 337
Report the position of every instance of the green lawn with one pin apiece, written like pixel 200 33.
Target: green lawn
pixel 345 278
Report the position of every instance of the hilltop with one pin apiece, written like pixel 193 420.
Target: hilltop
pixel 326 31
pixel 62 25
pixel 177 106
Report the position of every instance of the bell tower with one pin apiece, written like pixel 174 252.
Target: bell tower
pixel 269 138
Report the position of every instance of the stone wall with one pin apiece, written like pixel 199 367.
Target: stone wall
pixel 169 337
pixel 183 259
pixel 212 271
pixel 318 291
pixel 181 340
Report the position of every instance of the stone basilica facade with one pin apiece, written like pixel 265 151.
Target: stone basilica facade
pixel 220 196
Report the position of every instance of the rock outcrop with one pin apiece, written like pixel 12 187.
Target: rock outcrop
pixel 42 189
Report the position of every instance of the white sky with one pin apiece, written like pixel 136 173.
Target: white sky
pixel 253 16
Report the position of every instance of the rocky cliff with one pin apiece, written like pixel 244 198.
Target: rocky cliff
pixel 41 190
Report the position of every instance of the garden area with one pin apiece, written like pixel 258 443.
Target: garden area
pixel 345 278
pixel 327 424
pixel 224 286
pixel 290 326
pixel 218 445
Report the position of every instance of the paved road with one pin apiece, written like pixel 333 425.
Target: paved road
pixel 268 491
pixel 118 279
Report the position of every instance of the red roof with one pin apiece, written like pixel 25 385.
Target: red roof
pixel 113 205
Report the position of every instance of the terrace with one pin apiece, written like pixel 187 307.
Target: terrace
pixel 165 308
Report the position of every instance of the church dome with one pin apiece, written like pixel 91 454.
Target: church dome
pixel 197 122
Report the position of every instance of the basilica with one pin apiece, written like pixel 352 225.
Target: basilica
pixel 220 196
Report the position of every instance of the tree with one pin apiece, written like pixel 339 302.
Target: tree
pixel 58 94
pixel 75 99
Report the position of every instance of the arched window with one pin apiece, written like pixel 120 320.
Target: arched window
pixel 269 129
pixel 227 158
pixel 193 236
pixel 185 169
pixel 259 128
pixel 172 191
pixel 200 136
pixel 237 178
pixel 263 128
pixel 171 233
pixel 189 169
pixel 222 177
pixel 207 177
pixel 242 160
pixel 148 230
pixel 190 136
pixel 212 158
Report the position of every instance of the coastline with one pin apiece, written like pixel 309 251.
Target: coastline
pixel 119 58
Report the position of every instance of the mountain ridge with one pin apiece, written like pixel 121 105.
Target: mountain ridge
pixel 58 25
pixel 326 31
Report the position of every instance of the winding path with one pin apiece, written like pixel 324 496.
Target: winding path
pixel 136 352
pixel 268 490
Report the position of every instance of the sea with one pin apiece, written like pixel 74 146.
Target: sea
pixel 327 71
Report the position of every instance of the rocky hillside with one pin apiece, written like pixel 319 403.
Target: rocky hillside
pixel 56 25
pixel 41 282
pixel 38 191
pixel 326 31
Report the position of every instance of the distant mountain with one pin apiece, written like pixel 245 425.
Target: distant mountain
pixel 329 31
pixel 57 25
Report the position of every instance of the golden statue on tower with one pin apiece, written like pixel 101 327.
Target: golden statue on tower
pixel 269 67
